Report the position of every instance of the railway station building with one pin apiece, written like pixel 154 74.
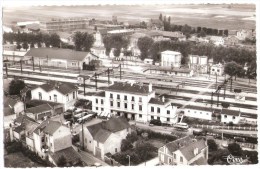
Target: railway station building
pixel 63 58
pixel 134 101
pixel 170 59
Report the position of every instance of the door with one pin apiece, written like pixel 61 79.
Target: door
pixel 133 116
pixel 98 152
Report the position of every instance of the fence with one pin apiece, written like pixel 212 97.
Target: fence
pixel 225 127
pixel 112 162
pixel 247 145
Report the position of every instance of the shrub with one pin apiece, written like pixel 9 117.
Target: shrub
pixel 126 145
pixel 132 137
pixel 212 145
pixel 235 149
pixel 13 147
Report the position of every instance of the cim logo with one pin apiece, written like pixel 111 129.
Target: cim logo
pixel 235 160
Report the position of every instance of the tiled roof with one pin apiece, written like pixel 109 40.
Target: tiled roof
pixel 200 161
pixel 63 88
pixel 128 88
pixel 171 34
pixel 27 124
pixel 57 53
pixel 176 104
pixel 21 118
pixel 71 155
pixel 35 103
pixel 181 70
pixel 48 127
pixel 102 135
pixel 188 150
pixel 93 129
pixel 9 102
pixel 39 109
pixel 158 101
pixel 193 107
pixel 101 94
pixel 177 144
pixel 230 112
pixel 8 111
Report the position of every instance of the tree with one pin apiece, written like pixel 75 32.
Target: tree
pixel 202 33
pixel 226 32
pixel 18 46
pixel 144 44
pixel 126 145
pixel 160 17
pixel 115 41
pixel 235 149
pixel 46 40
pixel 62 161
pixel 55 40
pixel 25 45
pixel 78 40
pixel 169 19
pixel 132 137
pixel 212 145
pixel 88 41
pixel 16 86
pixel 233 69
pixel 144 150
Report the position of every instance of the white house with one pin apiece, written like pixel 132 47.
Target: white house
pixel 63 93
pixel 217 69
pixel 105 137
pixel 98 46
pixel 171 58
pixel 13 106
pixel 243 34
pixel 204 113
pixel 199 63
pixel 228 116
pixel 184 151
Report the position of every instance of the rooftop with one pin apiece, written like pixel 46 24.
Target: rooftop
pixel 188 150
pixel 248 115
pixel 200 108
pixel 230 112
pixel 159 101
pixel 101 94
pixel 39 109
pixel 57 53
pixel 128 88
pixel 48 127
pixel 69 153
pixel 63 88
pixel 170 52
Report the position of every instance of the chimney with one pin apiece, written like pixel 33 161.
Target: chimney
pixel 150 87
pixel 163 99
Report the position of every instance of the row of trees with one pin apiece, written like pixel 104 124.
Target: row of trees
pixel 31 39
pixel 117 42
pixel 83 41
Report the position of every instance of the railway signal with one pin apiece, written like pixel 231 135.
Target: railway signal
pixel 108 78
pixel 120 71
pixel 96 80
pixel 21 66
pixel 6 70
pixel 33 63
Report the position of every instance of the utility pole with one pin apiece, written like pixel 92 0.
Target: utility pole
pixel 84 85
pixel 218 99
pixel 108 76
pixel 33 62
pixel 21 66
pixel 6 70
pixel 120 71
pixel 83 140
pixel 216 80
pixel 224 92
pixel 231 84
pixel 211 99
pixel 96 80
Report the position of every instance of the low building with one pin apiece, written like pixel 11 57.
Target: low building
pixel 230 116
pixel 40 112
pixel 248 118
pixel 199 112
pixel 187 72
pixel 63 93
pixel 243 34
pixel 105 137
pixel 231 41
pixel 217 69
pixel 217 40
pixel 199 63
pixel 57 57
pixel 66 37
pixel 170 59
pixel 124 32
pixel 12 105
pixel 184 151
pixel 177 35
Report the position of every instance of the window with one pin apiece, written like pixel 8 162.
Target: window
pixel 73 63
pixel 96 108
pixel 213 69
pixel 152 117
pixel 50 97
pixel 218 70
pixel 170 161
pixel 168 119
pixel 73 95
pixel 234 117
pixel 67 96
pixel 125 97
pixel 111 103
pixel 158 118
pixel 174 156
pixel 188 110
pixel 55 97
pixel 140 107
pixel 181 159
pixel 97 101
pixel 133 106
pixel 40 96
pixel 158 110
pixel 102 101
pixel 111 95
pixel 89 141
pixel 133 98
pixel 140 99
pixel 125 105
pixel 97 144
pixel 116 150
pixel 200 112
pixel 152 109
pixel 168 111
pixel 225 116
pixel 118 96
pixel 118 104
pixel 140 116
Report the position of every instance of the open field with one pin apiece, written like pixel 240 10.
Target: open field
pixel 15 160
pixel 215 16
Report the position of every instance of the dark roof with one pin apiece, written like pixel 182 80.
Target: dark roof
pixel 9 102
pixel 48 126
pixel 63 88
pixel 180 70
pixel 39 109
pixel 19 129
pixel 158 101
pixel 71 155
pixel 33 26
pixel 200 108
pixel 176 104
pixel 200 161
pixel 57 53
pixel 35 103
pixel 8 111
pixel 21 118
pixel 93 129
pixel 249 115
pixel 102 135
pixel 101 94
pixel 177 144
pixel 128 88
pixel 188 150
pixel 27 124
pixel 230 112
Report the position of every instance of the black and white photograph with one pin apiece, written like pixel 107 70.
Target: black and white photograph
pixel 119 84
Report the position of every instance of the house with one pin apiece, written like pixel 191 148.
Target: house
pixel 184 151
pixel 199 112
pixel 216 40
pixel 170 58
pixel 98 46
pixel 50 137
pixel 230 116
pixel 63 93
pixel 124 32
pixel 57 57
pixel 162 109
pixel 11 54
pixel 198 63
pixel 106 136
pixel 66 37
pixel 40 112
pixel 243 34
pixel 14 105
pixel 231 41
pixel 217 69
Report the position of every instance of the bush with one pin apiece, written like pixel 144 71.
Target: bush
pixel 126 145
pixel 14 147
pixel 132 137
pixel 253 156
pixel 156 135
pixel 156 122
pixel 16 86
pixel 212 145
pixel 235 149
